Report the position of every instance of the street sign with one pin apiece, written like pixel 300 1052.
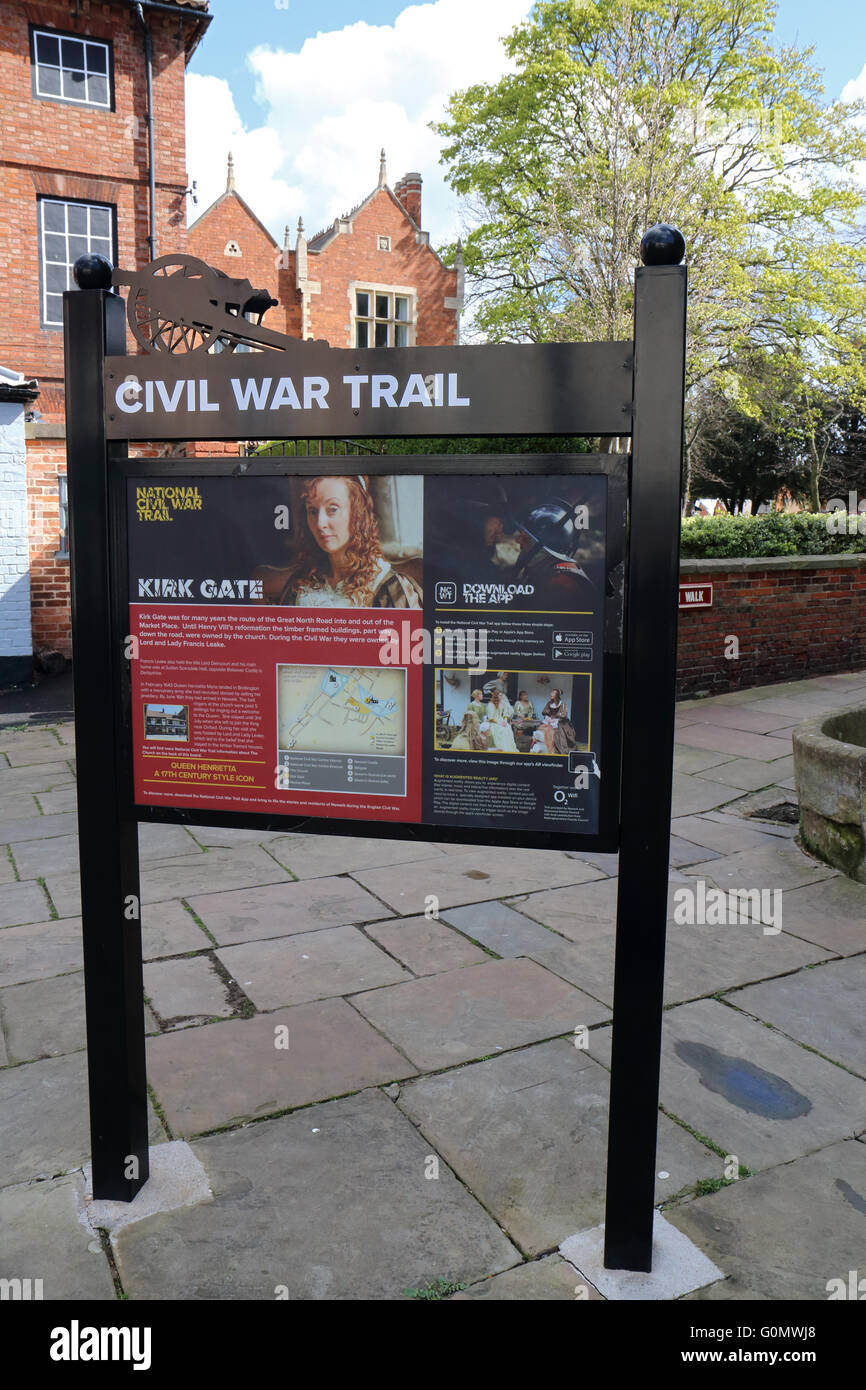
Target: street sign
pixel 282 643
pixel 696 596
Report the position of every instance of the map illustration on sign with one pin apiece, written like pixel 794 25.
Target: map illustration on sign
pixel 341 709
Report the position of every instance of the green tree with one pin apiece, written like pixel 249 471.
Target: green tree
pixel 739 454
pixel 621 113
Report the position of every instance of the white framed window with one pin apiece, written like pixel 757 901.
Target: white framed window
pixel 67 67
pixel 382 318
pixel 68 230
pixel 384 243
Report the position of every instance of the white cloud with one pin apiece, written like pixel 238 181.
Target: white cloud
pixel 853 91
pixel 330 107
pixel 855 88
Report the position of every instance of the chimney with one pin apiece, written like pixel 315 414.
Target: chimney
pixel 408 192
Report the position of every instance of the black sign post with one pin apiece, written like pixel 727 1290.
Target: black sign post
pixel 291 389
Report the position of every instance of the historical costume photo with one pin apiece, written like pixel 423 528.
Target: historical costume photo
pixel 469 737
pixel 499 716
pixel 555 713
pixel 339 561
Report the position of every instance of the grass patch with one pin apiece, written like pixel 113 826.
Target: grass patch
pixel 55 915
pixel 437 1289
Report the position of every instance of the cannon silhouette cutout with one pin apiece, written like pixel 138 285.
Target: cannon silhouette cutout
pixel 180 304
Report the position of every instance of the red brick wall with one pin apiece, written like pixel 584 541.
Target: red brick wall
pixel 354 256
pixel 789 623
pixel 68 151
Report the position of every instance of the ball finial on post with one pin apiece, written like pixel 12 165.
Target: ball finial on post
pixel 92 272
pixel 662 245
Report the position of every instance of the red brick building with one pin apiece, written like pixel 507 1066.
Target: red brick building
pixel 370 279
pixel 77 156
pixel 83 167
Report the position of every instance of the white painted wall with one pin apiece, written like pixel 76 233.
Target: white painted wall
pixel 15 635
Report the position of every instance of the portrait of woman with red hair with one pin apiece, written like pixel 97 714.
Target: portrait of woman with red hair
pixel 339 561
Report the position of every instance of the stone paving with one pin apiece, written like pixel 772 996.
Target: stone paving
pixel 434 1121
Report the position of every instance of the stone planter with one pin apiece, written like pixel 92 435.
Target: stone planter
pixel 830 773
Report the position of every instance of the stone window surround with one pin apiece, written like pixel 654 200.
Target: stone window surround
pixel 370 287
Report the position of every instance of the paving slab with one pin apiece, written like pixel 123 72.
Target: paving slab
pixel 442 1020
pixel 748 774
pixel 734 741
pixel 780 865
pixel 510 934
pixel 750 718
pixel 799 707
pixel 218 870
pixel 226 1073
pixel 284 909
pixel 823 1008
pixel 44 1119
pixel 7 866
pixel 317 856
pixel 168 929
pixel 63 799
pixel 578 913
pixel 722 833
pixel 831 913
pixel 186 990
pixel 551 1278
pixel 754 1092
pixel 686 852
pixel 311 965
pixel 40 950
pixel 37 858
pixel 21 739
pixel 44 1018
pixel 32 750
pixel 19 806
pixel 527 1133
pixel 703 959
pixel 165 842
pixel 223 837
pixel 43 1238
pixel 22 902
pixel 32 826
pixel 784 1234
pixel 44 777
pixel 425 946
pixel 692 794
pixel 473 876
pixel 691 760
pixel 329 1204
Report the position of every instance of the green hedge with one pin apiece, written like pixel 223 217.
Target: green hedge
pixel 779 533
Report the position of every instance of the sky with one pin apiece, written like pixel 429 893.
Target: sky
pixel 306 92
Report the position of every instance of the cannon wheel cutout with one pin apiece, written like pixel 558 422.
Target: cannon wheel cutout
pixel 150 318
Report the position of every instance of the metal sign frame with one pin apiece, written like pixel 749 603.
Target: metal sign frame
pixel 609 388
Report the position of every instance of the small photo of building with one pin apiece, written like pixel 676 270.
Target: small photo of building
pixel 166 723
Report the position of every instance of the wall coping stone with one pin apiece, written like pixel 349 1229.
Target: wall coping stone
pixel 750 564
